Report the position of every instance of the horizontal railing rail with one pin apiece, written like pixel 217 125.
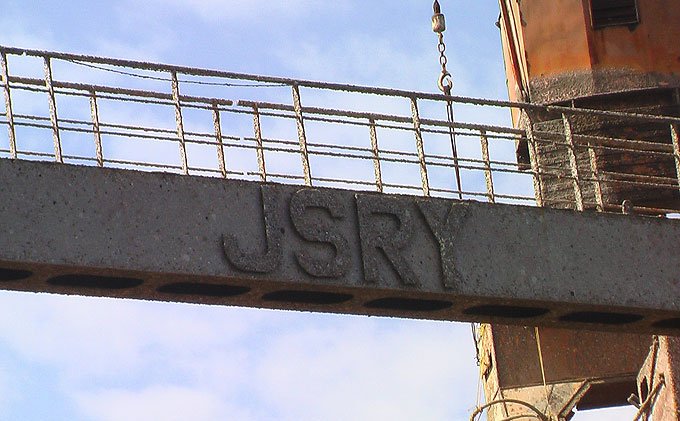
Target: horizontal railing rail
pixel 146 116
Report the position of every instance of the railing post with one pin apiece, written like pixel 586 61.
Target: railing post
pixel 302 137
pixel 94 110
pixel 218 136
pixel 180 124
pixel 597 184
pixel 573 161
pixel 675 137
pixel 258 141
pixel 53 111
pixel 534 157
pixel 487 166
pixel 8 107
pixel 376 156
pixel 419 147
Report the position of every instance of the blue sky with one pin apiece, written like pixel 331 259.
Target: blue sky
pixel 71 358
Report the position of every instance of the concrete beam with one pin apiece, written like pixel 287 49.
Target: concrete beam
pixel 117 233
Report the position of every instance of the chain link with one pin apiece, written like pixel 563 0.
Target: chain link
pixel 445 82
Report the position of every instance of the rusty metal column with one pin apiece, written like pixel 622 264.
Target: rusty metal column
pixel 218 137
pixel 573 162
pixel 53 111
pixel 8 107
pixel 257 128
pixel 180 124
pixel 302 137
pixel 419 147
pixel 376 156
pixel 94 110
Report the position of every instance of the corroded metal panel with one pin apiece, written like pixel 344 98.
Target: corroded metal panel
pixel 568 355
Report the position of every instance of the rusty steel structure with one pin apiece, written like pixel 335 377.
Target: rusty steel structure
pixel 615 55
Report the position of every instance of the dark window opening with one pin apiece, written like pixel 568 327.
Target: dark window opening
pixel 614 13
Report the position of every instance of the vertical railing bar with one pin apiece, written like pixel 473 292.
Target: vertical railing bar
pixel 594 167
pixel 573 162
pixel 419 147
pixel 218 137
pixel 376 156
pixel 94 110
pixel 302 137
pixel 180 123
pixel 260 146
pixel 8 107
pixel 487 166
pixel 53 110
pixel 675 137
pixel 534 157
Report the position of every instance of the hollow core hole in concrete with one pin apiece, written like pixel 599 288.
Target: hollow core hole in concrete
pixel 668 323
pixel 207 290
pixel 408 304
pixel 599 317
pixel 307 297
pixel 14 274
pixel 510 312
pixel 94 281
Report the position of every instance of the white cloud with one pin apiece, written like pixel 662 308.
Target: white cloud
pixel 256 11
pixel 14 34
pixel 140 360
pixel 163 403
pixel 366 370
pixel 108 339
pixel 364 59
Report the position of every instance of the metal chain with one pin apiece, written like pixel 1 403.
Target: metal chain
pixel 439 26
pixel 445 83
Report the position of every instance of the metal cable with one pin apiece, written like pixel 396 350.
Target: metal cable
pixel 196 82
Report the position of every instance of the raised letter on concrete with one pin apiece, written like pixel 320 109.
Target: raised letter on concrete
pixel 444 220
pixel 378 234
pixel 320 230
pixel 255 262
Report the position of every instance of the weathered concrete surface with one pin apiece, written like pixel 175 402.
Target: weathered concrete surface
pixel 103 232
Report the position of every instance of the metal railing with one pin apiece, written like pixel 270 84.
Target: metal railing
pixel 136 115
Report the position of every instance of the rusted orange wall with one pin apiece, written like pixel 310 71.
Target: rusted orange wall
pixel 653 46
pixel 558 37
pixel 555 36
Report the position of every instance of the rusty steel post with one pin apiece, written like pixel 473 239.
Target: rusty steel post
pixel 53 110
pixel 8 106
pixel 218 137
pixel 488 177
pixel 257 128
pixel 180 124
pixel 94 111
pixel 534 157
pixel 376 155
pixel 573 163
pixel 302 136
pixel 419 147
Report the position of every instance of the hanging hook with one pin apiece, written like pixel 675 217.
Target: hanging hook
pixel 445 83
